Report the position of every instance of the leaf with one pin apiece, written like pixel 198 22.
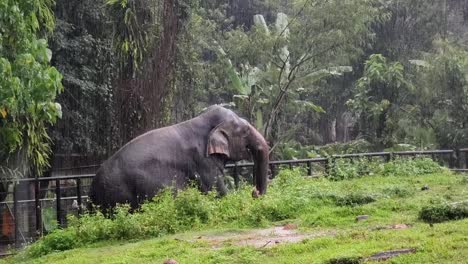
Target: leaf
pixel 236 81
pixel 49 55
pixel 3 112
pixel 310 106
pixel 263 101
pixel 259 120
pixel 241 96
pixel 315 76
pixel 339 70
pixel 421 63
pixel 58 108
pixel 259 21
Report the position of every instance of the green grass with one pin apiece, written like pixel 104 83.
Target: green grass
pixel 169 228
pixel 442 243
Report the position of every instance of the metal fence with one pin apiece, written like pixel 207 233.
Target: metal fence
pixel 31 211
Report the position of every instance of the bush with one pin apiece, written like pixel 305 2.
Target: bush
pixel 354 199
pixel 193 208
pixel 58 240
pixel 408 166
pixel 443 212
pixel 343 169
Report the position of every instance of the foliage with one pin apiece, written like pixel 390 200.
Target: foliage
pixel 132 22
pixel 437 213
pixel 294 150
pixel 86 126
pixel 29 85
pixel 288 67
pixel 442 100
pixel 274 68
pixel 57 240
pixel 343 169
pixel 378 97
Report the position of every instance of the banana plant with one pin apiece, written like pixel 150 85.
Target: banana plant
pixel 261 89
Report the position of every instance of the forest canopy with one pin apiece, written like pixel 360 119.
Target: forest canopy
pixel 358 74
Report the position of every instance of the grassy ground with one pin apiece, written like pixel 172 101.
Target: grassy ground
pixel 325 211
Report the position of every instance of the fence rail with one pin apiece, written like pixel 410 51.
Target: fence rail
pixel 455 161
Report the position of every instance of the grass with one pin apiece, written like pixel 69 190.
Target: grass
pixel 442 243
pixel 169 228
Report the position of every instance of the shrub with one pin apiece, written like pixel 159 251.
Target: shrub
pixel 354 199
pixel 58 240
pixel 159 216
pixel 193 208
pixel 408 166
pixel 443 212
pixel 343 169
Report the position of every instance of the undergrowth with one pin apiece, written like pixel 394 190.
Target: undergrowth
pixel 343 169
pixel 437 213
pixel 290 196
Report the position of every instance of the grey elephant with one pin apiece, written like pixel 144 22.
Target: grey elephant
pixel 197 149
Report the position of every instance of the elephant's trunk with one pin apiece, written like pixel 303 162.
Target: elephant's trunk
pixel 260 152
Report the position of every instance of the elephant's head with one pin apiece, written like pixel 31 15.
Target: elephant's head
pixel 237 140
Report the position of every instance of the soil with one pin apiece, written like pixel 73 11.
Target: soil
pixel 288 233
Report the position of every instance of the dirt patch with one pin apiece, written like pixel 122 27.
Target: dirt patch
pixel 260 238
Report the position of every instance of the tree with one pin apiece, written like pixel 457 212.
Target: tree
pixel 441 102
pixel 81 44
pixel 378 97
pixel 29 85
pixel 280 62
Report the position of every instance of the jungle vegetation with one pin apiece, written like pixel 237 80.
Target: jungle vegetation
pixel 372 74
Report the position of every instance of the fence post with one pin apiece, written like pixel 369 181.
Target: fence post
pixel 466 158
pixel 15 213
pixel 459 163
pixel 389 157
pixel 37 209
pixel 328 165
pixel 57 197
pixel 78 195
pixel 272 169
pixel 236 176
pixel 452 160
pixel 309 168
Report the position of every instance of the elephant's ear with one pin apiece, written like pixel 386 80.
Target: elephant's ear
pixel 218 142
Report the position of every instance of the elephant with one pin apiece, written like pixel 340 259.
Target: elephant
pixel 174 156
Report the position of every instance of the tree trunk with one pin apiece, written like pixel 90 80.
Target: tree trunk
pixel 159 79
